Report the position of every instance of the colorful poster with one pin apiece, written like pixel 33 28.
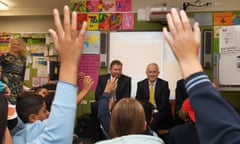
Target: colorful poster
pixel 41 64
pixel 38 50
pixel 236 19
pixel 123 5
pixel 127 21
pixel 108 5
pixel 80 19
pixel 92 42
pixel 39 81
pixel 104 19
pixel 5 37
pixel 92 21
pixel 115 21
pixel 89 65
pixel 79 5
pixel 223 18
pixel 94 5
pixel 4 41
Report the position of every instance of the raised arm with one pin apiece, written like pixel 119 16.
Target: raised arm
pixel 104 107
pixel 69 44
pixel 87 84
pixel 184 42
pixel 216 121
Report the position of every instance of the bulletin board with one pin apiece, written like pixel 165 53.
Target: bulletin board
pixel 139 48
pixel 229 55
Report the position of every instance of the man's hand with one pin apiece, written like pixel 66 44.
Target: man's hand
pixel 111 85
pixel 184 41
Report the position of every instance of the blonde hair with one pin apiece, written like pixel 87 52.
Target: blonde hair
pixel 23 50
pixel 127 117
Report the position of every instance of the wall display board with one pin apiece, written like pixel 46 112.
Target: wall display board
pixel 229 56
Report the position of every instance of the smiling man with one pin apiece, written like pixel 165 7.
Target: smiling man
pixel 123 82
pixel 156 91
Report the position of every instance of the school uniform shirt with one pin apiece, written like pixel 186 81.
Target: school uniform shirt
pixel 217 122
pixel 58 128
pixel 184 134
pixel 133 139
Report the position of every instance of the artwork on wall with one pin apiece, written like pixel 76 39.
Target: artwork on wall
pixel 123 5
pixel 127 21
pixel 92 21
pixel 104 14
pixel 108 5
pixel 223 18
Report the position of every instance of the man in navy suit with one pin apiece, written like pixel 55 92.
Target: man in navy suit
pixel 123 82
pixel 162 116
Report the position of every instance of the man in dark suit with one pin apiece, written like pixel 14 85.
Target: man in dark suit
pixel 162 115
pixel 123 82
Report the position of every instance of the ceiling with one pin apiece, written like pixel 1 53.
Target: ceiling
pixel 44 7
pixel 32 7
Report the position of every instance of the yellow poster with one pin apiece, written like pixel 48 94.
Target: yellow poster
pixel 92 20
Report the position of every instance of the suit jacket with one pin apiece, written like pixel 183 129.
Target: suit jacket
pixel 123 87
pixel 161 94
pixel 181 94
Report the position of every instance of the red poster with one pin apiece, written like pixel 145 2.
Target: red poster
pixel 104 20
pixel 115 21
pixel 80 19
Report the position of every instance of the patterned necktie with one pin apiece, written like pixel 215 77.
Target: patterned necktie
pixel 151 96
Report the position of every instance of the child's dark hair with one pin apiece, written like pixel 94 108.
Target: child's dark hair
pixel 49 99
pixel 38 89
pixel 28 104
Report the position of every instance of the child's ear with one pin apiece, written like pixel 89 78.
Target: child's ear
pixel 32 118
pixel 145 125
pixel 151 120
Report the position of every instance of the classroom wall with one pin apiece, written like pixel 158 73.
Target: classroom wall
pixel 26 23
pixel 41 23
pixel 30 22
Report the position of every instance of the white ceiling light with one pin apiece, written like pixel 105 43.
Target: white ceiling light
pixel 3 6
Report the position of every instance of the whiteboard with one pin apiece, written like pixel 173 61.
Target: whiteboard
pixel 229 55
pixel 137 49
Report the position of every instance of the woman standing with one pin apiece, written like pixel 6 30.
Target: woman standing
pixel 13 65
